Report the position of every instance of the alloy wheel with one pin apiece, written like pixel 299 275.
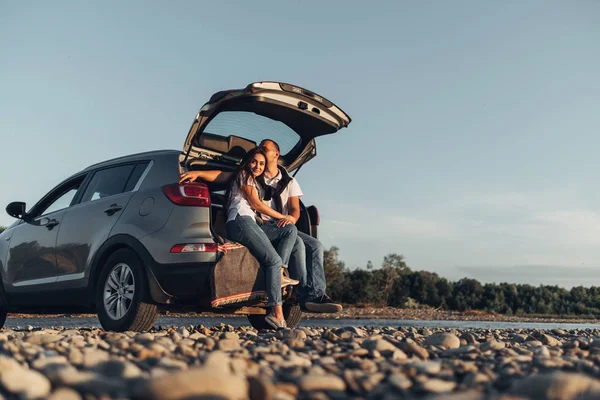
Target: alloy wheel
pixel 119 290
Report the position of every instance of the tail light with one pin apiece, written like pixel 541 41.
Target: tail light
pixel 313 214
pixel 194 248
pixel 188 194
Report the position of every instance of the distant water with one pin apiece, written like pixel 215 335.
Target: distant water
pixel 22 323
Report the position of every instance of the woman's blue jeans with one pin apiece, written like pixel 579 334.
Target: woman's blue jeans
pixel 258 240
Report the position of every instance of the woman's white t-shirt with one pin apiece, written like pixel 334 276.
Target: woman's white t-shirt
pixel 238 204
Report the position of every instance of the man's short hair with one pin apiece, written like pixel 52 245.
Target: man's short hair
pixel 272 141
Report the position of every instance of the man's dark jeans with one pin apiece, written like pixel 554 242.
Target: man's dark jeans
pixel 306 265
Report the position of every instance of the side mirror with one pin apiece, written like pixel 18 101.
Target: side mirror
pixel 16 209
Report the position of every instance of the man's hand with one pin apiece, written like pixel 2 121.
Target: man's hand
pixel 286 220
pixel 190 176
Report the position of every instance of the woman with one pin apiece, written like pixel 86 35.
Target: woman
pixel 243 204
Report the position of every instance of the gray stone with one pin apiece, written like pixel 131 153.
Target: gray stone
pixel 549 340
pixel 228 345
pixel 378 344
pixel 410 347
pixel 443 339
pixel 294 334
pixel 230 335
pixel 144 338
pixel 426 367
pixel 42 363
pixel 354 331
pixel 28 384
pixel 202 382
pixel 469 338
pixel 64 393
pixel 42 339
pixel 92 357
pixel 310 383
pixel 465 349
pixel 183 332
pixel 400 381
pixel 558 386
pixel 435 385
pixel 493 345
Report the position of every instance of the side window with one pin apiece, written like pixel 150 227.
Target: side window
pixel 107 182
pixel 135 176
pixel 63 201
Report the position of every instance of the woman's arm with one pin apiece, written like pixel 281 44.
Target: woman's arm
pixel 257 205
pixel 215 176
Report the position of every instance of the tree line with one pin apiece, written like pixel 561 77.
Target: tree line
pixel 394 284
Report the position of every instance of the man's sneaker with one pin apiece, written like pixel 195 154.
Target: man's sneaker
pixel 322 304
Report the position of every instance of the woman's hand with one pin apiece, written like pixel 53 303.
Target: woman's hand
pixel 189 176
pixel 286 220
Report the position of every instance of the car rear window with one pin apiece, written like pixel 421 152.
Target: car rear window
pixel 253 127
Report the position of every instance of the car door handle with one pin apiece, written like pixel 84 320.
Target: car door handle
pixel 51 224
pixel 113 209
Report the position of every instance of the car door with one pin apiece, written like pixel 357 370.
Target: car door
pixel 87 224
pixel 31 262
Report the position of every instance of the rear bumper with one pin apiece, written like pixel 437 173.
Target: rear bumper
pixel 185 283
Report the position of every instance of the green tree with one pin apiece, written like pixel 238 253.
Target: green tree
pixel 394 260
pixel 2 229
pixel 335 273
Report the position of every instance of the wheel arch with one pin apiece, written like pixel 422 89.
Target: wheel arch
pixel 124 241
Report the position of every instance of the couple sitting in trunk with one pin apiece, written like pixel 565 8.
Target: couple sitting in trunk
pixel 263 206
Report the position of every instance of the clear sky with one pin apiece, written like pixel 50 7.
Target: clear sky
pixel 475 132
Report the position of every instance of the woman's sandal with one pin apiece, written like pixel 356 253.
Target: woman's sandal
pixel 287 281
pixel 276 324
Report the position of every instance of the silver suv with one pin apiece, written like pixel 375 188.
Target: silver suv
pixel 123 239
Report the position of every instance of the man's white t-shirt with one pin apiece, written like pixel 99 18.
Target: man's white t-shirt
pixel 238 204
pixel 291 190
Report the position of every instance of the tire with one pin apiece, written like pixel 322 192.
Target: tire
pixel 3 303
pixel 3 315
pixel 118 308
pixel 291 312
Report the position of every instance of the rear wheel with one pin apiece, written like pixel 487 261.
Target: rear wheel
pixel 3 307
pixel 291 312
pixel 121 294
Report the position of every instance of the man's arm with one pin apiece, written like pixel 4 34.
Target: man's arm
pixel 293 212
pixel 294 207
pixel 215 176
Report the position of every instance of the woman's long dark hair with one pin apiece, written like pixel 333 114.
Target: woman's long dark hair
pixel 244 171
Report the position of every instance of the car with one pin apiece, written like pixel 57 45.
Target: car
pixel 123 239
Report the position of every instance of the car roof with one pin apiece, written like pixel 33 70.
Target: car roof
pixel 133 157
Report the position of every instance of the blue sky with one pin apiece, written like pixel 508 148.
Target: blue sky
pixel 474 138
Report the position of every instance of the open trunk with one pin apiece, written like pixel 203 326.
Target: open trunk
pixel 235 121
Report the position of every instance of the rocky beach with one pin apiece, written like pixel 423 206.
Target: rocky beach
pixel 224 362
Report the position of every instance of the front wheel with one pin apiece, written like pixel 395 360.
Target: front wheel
pixel 2 316
pixel 121 291
pixel 291 313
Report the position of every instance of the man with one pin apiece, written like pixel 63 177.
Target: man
pixel 306 262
